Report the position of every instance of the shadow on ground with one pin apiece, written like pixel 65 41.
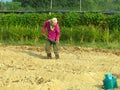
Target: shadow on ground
pixel 35 55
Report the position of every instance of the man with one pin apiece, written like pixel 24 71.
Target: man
pixel 53 36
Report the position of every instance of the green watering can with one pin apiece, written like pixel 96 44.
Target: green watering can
pixel 110 82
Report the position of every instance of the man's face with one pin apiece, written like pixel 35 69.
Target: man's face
pixel 53 23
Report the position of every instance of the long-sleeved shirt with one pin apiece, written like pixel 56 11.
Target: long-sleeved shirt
pixel 52 34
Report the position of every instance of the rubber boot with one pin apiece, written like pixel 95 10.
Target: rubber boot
pixel 49 56
pixel 57 57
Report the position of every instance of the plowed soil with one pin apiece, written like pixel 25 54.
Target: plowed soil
pixel 26 68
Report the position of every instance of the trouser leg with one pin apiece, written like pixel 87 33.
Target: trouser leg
pixel 47 49
pixel 56 52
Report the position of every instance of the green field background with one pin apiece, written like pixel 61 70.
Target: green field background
pixel 75 27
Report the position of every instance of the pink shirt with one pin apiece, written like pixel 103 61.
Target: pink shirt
pixel 52 34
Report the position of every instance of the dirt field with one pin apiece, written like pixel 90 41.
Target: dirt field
pixel 26 68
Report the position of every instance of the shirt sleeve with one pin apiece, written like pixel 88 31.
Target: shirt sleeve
pixel 57 32
pixel 44 27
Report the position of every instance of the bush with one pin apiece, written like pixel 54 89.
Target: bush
pixel 75 27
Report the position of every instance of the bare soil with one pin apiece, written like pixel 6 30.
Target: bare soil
pixel 26 68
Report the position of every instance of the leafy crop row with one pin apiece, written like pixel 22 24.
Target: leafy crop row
pixel 76 27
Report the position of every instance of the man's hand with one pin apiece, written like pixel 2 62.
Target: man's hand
pixel 43 34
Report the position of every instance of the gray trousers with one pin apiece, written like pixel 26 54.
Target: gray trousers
pixel 48 48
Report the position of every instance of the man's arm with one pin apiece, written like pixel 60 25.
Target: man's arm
pixel 58 33
pixel 44 28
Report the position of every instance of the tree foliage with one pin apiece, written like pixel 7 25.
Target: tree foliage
pixel 87 5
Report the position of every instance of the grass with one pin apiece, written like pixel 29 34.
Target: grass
pixel 113 45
